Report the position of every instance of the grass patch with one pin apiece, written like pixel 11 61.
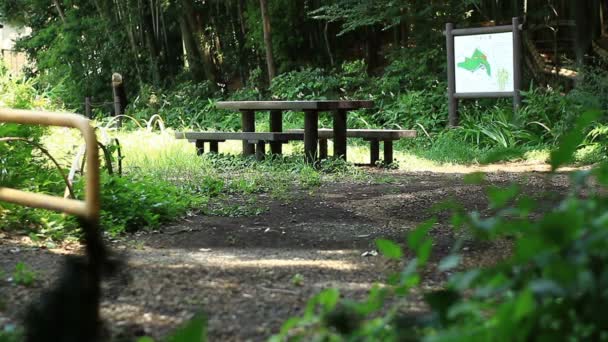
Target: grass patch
pixel 163 179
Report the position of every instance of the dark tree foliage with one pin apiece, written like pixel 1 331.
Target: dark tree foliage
pixel 79 44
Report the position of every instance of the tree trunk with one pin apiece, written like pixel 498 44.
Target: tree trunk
pixel 148 27
pixel 327 46
pixel 191 50
pixel 59 10
pixel 371 49
pixel 268 40
pixel 582 43
pixel 199 45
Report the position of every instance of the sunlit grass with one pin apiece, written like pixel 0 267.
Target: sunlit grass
pixel 159 154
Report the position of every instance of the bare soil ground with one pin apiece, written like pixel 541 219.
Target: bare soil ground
pixel 240 271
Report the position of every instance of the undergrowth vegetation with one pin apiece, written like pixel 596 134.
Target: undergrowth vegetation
pixel 407 95
pixel 167 180
pixel 550 288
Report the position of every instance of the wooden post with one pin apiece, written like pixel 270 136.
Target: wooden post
pixel 516 65
pixel 340 134
pixel 374 151
pixel 88 110
pixel 322 149
pixel 311 135
pixel 276 125
pixel 260 150
pixel 117 111
pixel 200 147
pixel 248 124
pixel 120 96
pixel 388 152
pixel 213 147
pixel 452 101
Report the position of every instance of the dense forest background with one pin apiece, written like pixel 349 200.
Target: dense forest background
pixel 178 57
pixel 79 44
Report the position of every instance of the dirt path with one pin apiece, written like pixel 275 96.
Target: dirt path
pixel 241 271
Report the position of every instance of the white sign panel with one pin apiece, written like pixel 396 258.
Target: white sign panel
pixel 9 34
pixel 484 63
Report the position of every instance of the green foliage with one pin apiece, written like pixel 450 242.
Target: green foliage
pixel 449 147
pixel 389 249
pixel 195 330
pixel 135 203
pixel 570 141
pixel 306 84
pixel 186 105
pixel 11 334
pixel 297 280
pixel 23 275
pixel 549 288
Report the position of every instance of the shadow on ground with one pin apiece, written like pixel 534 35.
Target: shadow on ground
pixel 249 274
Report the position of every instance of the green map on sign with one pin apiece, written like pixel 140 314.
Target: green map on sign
pixel 477 61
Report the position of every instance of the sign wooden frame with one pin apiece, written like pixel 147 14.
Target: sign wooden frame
pixel 453 96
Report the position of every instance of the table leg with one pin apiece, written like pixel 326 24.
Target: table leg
pixel 374 146
pixel 200 147
pixel 388 152
pixel 213 147
pixel 248 124
pixel 322 149
pixel 340 134
pixel 276 125
pixel 311 135
pixel 260 150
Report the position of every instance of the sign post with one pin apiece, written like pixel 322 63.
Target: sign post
pixel 483 62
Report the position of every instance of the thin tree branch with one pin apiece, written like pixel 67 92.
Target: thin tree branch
pixel 45 152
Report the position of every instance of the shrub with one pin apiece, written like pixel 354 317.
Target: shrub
pixel 550 288
pixel 129 204
pixel 305 84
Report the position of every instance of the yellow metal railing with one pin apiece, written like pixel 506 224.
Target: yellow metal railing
pixel 87 209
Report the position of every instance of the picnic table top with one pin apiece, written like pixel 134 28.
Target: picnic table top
pixel 258 136
pixel 380 134
pixel 295 105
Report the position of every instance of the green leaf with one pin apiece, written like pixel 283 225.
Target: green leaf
pixel 500 196
pixel 449 262
pixel 194 330
pixel 424 252
pixel 145 339
pixel 474 178
pixel 329 298
pixel 289 324
pixel 389 249
pixel 570 141
pixel 524 304
pixel 414 238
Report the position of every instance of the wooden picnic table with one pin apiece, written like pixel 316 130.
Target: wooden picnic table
pixel 311 110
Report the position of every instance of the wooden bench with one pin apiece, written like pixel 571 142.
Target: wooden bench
pixel 374 136
pixel 258 138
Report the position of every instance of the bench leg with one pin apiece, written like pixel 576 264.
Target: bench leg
pixel 260 150
pixel 213 147
pixel 374 151
pixel 248 124
pixel 276 125
pixel 322 149
pixel 388 152
pixel 340 134
pixel 311 135
pixel 200 147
